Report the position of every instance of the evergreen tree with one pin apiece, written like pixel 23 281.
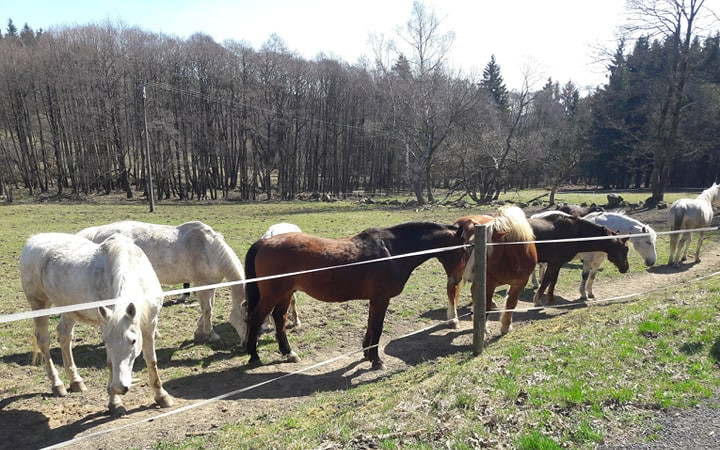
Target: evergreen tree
pixel 493 82
pixel 11 29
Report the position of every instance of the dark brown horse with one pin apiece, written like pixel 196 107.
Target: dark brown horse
pixel 579 211
pixel 506 264
pixel 555 254
pixel 377 281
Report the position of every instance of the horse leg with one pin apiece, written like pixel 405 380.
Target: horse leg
pixel 701 236
pixel 294 319
pixel 541 267
pixel 41 344
pixel 204 331
pixel 510 303
pixel 685 241
pixel 551 276
pixel 674 253
pixel 589 272
pixel 545 280
pixel 255 319
pixel 162 398
pixel 454 285
pixel 185 295
pixel 280 317
pixel 376 318
pixel 65 335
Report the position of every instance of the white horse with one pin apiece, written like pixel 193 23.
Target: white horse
pixel 65 269
pixel 686 214
pixel 644 244
pixel 189 253
pixel 273 230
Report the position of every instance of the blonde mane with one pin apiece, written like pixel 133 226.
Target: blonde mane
pixel 511 220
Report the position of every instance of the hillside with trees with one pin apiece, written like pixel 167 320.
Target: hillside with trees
pixel 226 119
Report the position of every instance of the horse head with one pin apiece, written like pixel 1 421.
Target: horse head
pixel 123 342
pixel 617 251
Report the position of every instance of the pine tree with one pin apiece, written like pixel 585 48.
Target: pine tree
pixel 11 29
pixel 493 82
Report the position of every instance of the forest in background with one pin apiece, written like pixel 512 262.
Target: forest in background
pixel 226 119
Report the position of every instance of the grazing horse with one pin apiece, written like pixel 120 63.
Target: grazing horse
pixel 64 269
pixel 506 264
pixel 579 211
pixel 280 228
pixel 643 243
pixel 555 254
pixel 189 253
pixel 686 214
pixel 378 282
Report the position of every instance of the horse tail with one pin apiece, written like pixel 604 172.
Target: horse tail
pixel 252 292
pixel 678 212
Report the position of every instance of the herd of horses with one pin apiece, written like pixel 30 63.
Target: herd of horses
pixel 128 261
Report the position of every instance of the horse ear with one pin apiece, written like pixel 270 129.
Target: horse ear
pixel 130 311
pixel 498 235
pixel 104 314
pixel 468 230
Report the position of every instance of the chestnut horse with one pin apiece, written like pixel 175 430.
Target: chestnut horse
pixel 290 253
pixel 555 254
pixel 506 264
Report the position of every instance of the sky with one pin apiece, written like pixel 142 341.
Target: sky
pixel 566 40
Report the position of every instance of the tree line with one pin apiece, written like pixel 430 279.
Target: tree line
pixel 227 119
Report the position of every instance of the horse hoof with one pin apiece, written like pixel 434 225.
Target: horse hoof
pixel 291 357
pixel 59 390
pixel 505 330
pixel 117 410
pixel 254 361
pixel 454 324
pixel 165 401
pixel 77 386
pixel 378 365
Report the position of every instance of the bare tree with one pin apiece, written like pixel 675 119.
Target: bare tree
pixel 425 102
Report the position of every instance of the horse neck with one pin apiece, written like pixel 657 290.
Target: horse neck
pixel 711 195
pixel 229 266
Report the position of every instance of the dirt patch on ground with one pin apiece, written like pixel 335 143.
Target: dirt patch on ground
pixel 33 419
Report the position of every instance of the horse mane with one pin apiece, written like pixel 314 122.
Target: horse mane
pixel 118 250
pixel 226 259
pixel 711 194
pixel 512 222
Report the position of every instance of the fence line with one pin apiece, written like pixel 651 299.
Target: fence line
pixel 4 318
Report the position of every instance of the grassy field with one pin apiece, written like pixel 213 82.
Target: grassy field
pixel 569 381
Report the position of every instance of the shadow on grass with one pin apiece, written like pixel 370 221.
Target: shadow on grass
pixel 715 350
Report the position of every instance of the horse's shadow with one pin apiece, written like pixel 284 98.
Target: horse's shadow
pixel 42 434
pixel 666 269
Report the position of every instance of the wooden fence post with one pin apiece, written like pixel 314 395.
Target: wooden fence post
pixel 478 289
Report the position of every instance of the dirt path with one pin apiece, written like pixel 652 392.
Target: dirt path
pixel 29 421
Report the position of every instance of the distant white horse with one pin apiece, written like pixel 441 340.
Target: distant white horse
pixel 273 230
pixel 686 214
pixel 644 244
pixel 189 253
pixel 65 269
